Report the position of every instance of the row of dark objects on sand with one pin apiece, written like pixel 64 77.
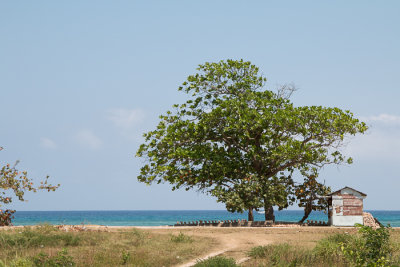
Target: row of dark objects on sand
pixel 245 223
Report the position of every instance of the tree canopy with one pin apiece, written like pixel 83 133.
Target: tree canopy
pixel 240 142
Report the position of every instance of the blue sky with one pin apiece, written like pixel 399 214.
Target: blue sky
pixel 80 81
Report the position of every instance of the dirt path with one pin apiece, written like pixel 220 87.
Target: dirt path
pixel 236 242
pixel 231 245
pixel 230 242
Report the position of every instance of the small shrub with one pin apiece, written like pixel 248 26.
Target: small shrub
pixel 125 257
pixel 329 248
pixel 371 248
pixel 181 238
pixel 62 259
pixel 217 261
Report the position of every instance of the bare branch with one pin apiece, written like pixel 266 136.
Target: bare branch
pixel 286 90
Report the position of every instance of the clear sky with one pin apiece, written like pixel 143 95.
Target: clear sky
pixel 80 81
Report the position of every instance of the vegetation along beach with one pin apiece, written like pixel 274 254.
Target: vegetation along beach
pixel 188 246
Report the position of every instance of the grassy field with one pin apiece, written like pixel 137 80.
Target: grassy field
pixel 48 246
pixel 309 246
pixel 326 252
pixel 329 251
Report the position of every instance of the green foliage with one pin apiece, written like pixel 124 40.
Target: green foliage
pixel 308 193
pixel 217 261
pixel 44 235
pixel 372 248
pixel 369 248
pixel 125 257
pixel 328 248
pixel 326 253
pixel 6 216
pixel 240 142
pixel 15 182
pixel 181 238
pixel 62 259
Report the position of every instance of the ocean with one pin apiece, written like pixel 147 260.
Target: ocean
pixel 169 217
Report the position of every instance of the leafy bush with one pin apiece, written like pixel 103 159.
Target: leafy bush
pixel 181 238
pixel 62 259
pixel 371 248
pixel 217 262
pixel 329 248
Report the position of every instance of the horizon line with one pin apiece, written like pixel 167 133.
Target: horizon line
pixel 187 210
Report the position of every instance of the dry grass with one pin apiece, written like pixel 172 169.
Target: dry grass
pixel 166 246
pixel 121 247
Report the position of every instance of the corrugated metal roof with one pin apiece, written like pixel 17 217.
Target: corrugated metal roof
pixel 338 191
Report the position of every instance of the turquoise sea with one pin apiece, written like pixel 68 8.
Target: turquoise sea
pixel 169 217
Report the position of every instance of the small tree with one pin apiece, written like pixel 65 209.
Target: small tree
pixel 16 183
pixel 310 193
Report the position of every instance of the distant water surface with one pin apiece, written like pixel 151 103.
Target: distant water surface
pixel 169 217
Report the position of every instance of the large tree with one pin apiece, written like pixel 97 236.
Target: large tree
pixel 240 142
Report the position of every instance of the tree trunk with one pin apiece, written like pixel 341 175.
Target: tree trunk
pixel 251 216
pixel 307 211
pixel 269 213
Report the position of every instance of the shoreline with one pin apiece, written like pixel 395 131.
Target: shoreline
pixel 94 227
pixel 171 217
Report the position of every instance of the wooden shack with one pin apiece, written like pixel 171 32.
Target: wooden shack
pixel 345 207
